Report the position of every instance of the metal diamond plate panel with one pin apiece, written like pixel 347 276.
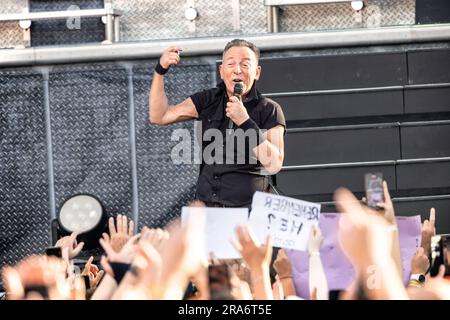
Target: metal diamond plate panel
pixel 147 19
pixel 89 114
pixel 13 6
pixel 253 17
pixel 163 186
pixel 11 34
pixel 164 19
pixel 341 16
pixel 24 213
pixel 215 18
pixel 56 32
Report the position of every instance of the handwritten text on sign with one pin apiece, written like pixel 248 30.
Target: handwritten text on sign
pixel 288 220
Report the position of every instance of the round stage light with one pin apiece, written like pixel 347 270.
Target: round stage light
pixel 85 214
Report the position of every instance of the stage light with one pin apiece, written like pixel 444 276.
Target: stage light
pixel 83 213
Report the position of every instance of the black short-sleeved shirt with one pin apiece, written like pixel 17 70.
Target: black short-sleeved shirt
pixel 232 184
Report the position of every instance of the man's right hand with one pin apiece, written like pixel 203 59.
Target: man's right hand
pixel 170 56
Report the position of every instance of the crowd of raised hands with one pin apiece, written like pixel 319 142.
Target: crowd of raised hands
pixel 168 263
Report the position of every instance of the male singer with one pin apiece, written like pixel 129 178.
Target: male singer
pixel 234 104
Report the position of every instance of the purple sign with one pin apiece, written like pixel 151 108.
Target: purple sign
pixel 338 269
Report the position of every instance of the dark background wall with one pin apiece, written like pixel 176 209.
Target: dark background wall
pixel 432 11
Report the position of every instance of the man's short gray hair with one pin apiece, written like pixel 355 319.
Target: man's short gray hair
pixel 242 43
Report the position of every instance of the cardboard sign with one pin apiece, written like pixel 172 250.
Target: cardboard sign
pixel 288 220
pixel 219 228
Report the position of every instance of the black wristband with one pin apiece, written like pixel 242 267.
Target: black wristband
pixel 250 124
pixel 119 269
pixel 160 70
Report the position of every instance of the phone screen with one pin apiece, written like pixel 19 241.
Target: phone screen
pixel 374 189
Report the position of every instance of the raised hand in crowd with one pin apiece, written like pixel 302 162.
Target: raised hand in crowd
pixel 317 278
pixel 435 288
pixel 78 288
pixel 388 212
pixel 438 287
pixel 257 257
pixel 69 246
pixel 283 267
pixel 124 256
pixel 240 269
pixel 428 231
pixel 120 232
pixel 140 277
pixel 37 278
pixel 148 260
pixel 420 262
pixel 419 266
pixel 156 237
pixel 366 239
pixel 93 273
pixel 143 276
pixel 387 207
pixel 182 259
pixel 107 287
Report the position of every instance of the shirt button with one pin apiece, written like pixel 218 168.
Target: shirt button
pixel 216 177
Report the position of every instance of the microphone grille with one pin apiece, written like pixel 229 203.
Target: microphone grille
pixel 238 88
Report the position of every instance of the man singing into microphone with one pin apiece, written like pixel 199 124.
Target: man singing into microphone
pixel 234 104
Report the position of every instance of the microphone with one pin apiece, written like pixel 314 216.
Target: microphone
pixel 237 91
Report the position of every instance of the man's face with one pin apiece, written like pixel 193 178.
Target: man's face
pixel 239 65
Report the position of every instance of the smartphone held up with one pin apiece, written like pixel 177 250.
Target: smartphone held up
pixel 373 183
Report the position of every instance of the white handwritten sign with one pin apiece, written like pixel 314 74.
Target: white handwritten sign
pixel 288 220
pixel 219 229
